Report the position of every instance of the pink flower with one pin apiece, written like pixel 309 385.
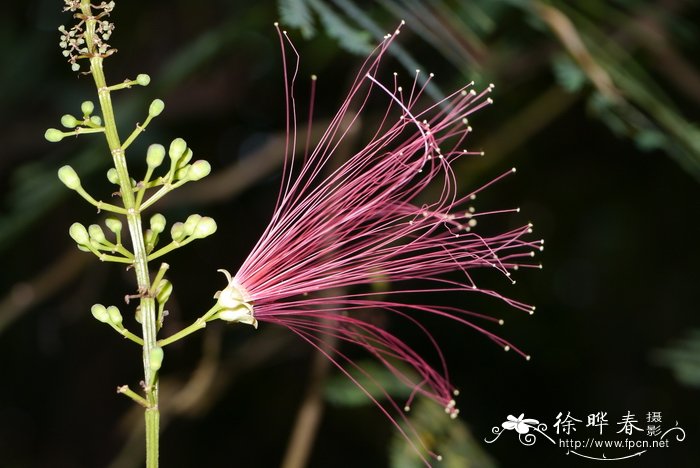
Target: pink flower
pixel 367 221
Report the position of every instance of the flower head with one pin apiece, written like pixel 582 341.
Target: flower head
pixel 339 227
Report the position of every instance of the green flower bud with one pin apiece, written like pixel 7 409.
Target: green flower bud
pixel 113 224
pixel 69 121
pixel 158 223
pixel 53 135
pixel 100 313
pixel 186 157
pixel 87 107
pixel 115 316
pixel 156 108
pixel 199 170
pixel 177 148
pixel 177 232
pixel 182 173
pixel 96 233
pixel 138 316
pixel 75 67
pixel 79 234
pixel 156 358
pixel 96 120
pixel 112 176
pixel 205 227
pixel 69 178
pixel 165 289
pixel 143 79
pixel 191 223
pixel 155 155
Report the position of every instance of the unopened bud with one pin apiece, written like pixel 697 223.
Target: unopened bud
pixel 113 176
pixel 156 108
pixel 205 227
pixel 75 66
pixel 156 358
pixel 69 121
pixel 143 79
pixel 177 232
pixel 115 316
pixel 182 173
pixel 177 148
pixel 96 120
pixel 79 234
pixel 96 233
pixel 155 155
pixel 100 313
pixel 165 289
pixel 87 107
pixel 113 224
pixel 199 170
pixel 158 223
pixel 69 177
pixel 186 157
pixel 191 223
pixel 53 135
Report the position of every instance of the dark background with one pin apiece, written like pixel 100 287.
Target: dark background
pixel 613 190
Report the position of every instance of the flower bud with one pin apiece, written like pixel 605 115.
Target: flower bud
pixel 113 224
pixel 156 108
pixel 155 155
pixel 112 176
pixel 87 107
pixel 115 317
pixel 199 170
pixel 205 227
pixel 69 177
pixel 100 313
pixel 186 157
pixel 158 223
pixel 177 148
pixel 156 358
pixel 143 79
pixel 191 223
pixel 165 289
pixel 96 233
pixel 79 234
pixel 75 66
pixel 96 120
pixel 177 232
pixel 69 121
pixel 53 135
pixel 183 173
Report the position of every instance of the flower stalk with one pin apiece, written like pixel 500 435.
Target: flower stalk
pixel 133 218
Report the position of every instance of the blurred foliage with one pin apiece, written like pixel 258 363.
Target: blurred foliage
pixel 450 439
pixel 610 45
pixel 683 358
pixel 375 379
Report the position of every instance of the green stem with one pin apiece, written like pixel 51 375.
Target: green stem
pixel 198 324
pixel 133 217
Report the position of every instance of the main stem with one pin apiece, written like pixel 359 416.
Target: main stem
pixel 133 217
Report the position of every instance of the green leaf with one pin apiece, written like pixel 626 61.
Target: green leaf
pixel 296 14
pixel 349 38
